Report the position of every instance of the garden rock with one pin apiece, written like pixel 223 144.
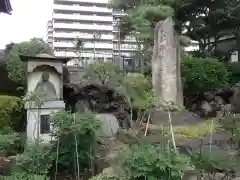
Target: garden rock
pixel 226 109
pixel 236 100
pixel 108 125
pixel 179 118
pixel 206 108
pixel 209 96
pixel 99 99
pixel 219 100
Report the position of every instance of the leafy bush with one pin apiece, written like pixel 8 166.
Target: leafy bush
pixel 8 143
pixel 138 88
pixel 36 159
pixel 211 162
pixel 104 73
pixel 16 68
pixel 153 162
pixel 234 72
pixel 7 86
pixel 203 73
pixel 197 131
pixel 10 111
pixel 23 176
pixel 76 133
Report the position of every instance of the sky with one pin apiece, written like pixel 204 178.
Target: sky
pixel 29 19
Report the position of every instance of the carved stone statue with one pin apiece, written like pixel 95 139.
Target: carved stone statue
pixel 46 89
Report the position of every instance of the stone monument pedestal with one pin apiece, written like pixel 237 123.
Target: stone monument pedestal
pixel 38 120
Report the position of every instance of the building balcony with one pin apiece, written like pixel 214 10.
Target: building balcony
pixel 118 13
pixel 83 1
pixel 78 8
pixel 124 40
pixel 49 39
pixel 84 54
pixel 87 45
pixel 82 17
pixel 86 36
pixel 81 26
pixel 125 47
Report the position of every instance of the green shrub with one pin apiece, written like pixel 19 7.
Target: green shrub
pixel 8 143
pixel 234 72
pixel 36 159
pixel 210 162
pixel 7 86
pixel 147 161
pixel 200 74
pixel 75 132
pixel 23 176
pixel 10 112
pixel 138 88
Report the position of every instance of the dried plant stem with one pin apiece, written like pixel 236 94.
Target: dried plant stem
pixel 76 151
pixel 147 126
pixel 171 130
pixel 131 111
pixel 211 136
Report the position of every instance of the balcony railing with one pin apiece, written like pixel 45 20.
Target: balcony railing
pixel 82 26
pixel 87 45
pixel 83 17
pixel 83 1
pixel 123 62
pixel 78 8
pixel 81 36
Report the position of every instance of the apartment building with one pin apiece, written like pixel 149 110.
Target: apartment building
pixel 94 24
pixel 49 33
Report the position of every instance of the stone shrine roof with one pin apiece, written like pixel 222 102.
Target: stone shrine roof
pixel 44 57
pixel 5 6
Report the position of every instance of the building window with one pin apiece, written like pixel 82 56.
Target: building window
pixel 44 124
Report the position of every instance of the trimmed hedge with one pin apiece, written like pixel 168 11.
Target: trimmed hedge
pixel 10 112
pixel 201 74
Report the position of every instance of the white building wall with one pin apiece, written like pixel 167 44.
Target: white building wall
pixel 82 19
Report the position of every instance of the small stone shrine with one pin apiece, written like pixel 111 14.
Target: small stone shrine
pixel 44 81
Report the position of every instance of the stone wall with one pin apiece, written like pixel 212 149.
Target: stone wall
pixel 209 103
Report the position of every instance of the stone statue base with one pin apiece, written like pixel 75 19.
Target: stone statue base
pixel 38 124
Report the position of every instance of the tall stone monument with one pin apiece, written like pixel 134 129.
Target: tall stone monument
pixel 44 81
pixel 166 77
pixel 166 74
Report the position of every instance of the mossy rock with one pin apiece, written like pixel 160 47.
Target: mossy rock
pixel 198 130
